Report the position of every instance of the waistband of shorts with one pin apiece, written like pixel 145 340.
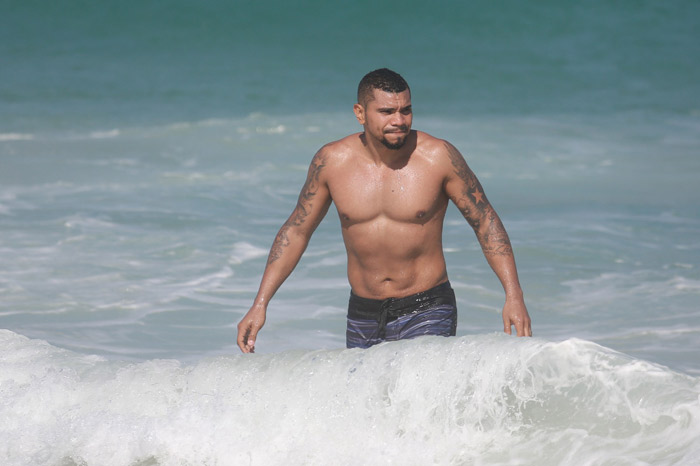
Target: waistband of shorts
pixel 367 308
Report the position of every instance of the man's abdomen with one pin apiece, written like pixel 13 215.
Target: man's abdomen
pixel 395 262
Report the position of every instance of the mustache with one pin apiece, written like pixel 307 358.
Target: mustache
pixel 397 129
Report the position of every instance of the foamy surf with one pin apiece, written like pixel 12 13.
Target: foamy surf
pixel 476 400
pixel 5 137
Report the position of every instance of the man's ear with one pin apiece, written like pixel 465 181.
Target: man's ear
pixel 359 113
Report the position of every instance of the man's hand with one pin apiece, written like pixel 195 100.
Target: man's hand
pixel 248 328
pixel 515 313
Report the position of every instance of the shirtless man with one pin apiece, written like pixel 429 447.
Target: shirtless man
pixel 391 186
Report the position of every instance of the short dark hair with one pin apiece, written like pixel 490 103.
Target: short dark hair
pixel 384 79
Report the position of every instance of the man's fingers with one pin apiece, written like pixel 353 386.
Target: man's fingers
pixel 506 327
pixel 250 340
pixel 242 337
pixel 246 337
pixel 515 314
pixel 248 330
pixel 523 329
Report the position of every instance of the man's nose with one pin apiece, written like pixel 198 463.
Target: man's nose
pixel 399 119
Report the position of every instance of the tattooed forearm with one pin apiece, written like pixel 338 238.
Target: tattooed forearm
pixel 281 242
pixel 495 241
pixel 302 209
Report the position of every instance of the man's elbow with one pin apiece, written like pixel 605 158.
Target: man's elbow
pixel 300 234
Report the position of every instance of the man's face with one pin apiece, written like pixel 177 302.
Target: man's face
pixel 387 118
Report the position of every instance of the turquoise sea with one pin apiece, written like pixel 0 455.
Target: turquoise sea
pixel 150 150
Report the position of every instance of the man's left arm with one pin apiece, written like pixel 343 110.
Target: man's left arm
pixel 466 192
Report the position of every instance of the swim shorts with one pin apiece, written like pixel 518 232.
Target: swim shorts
pixel 372 321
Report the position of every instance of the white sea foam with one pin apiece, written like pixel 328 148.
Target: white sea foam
pixel 243 251
pixel 478 400
pixel 608 287
pixel 106 134
pixel 16 137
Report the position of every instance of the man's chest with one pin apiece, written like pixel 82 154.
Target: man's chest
pixel 405 195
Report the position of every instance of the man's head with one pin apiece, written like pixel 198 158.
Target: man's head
pixel 384 108
pixel 383 79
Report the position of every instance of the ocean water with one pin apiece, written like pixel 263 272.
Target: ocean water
pixel 149 151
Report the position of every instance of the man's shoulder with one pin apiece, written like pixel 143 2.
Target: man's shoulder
pixel 339 150
pixel 429 142
pixel 348 143
pixel 432 148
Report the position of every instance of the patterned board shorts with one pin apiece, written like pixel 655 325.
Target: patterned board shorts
pixel 372 321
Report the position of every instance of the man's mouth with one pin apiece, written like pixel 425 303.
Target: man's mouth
pixel 396 131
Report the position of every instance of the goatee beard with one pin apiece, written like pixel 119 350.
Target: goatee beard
pixel 393 145
pixel 398 144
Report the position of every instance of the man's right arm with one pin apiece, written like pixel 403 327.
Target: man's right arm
pixel 288 247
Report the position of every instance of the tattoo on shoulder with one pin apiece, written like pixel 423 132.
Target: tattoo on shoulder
pixel 303 207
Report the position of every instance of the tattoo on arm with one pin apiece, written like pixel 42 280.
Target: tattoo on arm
pixel 495 241
pixel 472 203
pixel 302 209
pixel 477 210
